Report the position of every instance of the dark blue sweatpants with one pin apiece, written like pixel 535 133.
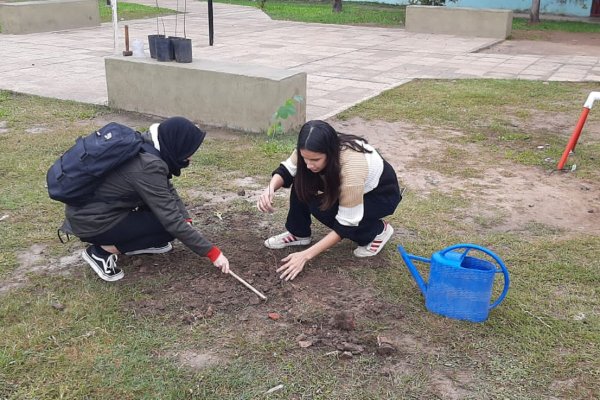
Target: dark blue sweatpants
pixel 139 230
pixel 378 203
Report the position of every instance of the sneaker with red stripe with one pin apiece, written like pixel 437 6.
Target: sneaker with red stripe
pixel 377 244
pixel 286 239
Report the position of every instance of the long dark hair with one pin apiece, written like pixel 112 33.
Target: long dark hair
pixel 320 137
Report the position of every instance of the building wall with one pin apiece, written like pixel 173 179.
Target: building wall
pixel 574 8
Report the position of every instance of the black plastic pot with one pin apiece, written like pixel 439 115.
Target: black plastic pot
pixel 182 49
pixel 164 49
pixel 152 44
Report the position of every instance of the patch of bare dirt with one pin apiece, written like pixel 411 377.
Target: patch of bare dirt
pixel 520 195
pixel 559 123
pixel 195 359
pixel 248 188
pixel 325 309
pixel 549 43
pixel 134 120
pixel 142 121
pixel 35 261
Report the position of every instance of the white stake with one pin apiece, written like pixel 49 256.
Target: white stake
pixel 115 21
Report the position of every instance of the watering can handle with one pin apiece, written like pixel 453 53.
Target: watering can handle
pixel 468 247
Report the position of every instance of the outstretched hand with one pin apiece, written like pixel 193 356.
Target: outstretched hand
pixel 222 263
pixel 293 265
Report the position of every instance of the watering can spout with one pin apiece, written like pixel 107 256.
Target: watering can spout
pixel 413 269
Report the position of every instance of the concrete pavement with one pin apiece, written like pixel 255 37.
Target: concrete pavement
pixel 345 64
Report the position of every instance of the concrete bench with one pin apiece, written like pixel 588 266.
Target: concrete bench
pixel 47 15
pixel 237 96
pixel 461 21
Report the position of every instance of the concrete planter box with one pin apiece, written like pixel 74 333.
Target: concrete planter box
pixel 222 94
pixel 478 22
pixel 48 15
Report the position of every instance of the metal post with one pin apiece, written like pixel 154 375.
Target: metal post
pixel 210 23
pixel 587 106
pixel 574 137
pixel 115 23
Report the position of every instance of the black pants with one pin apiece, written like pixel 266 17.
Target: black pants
pixel 139 230
pixel 380 202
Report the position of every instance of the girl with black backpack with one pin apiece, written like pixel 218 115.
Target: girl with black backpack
pixel 136 209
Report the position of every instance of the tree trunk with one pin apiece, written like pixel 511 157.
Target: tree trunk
pixel 337 6
pixel 534 13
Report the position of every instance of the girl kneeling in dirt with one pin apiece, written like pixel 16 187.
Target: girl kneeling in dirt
pixel 146 213
pixel 344 183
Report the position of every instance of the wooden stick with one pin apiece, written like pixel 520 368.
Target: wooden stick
pixel 259 294
pixel 127 52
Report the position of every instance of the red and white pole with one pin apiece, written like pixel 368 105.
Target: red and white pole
pixel 575 135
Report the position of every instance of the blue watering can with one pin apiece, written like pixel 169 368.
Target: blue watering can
pixel 459 286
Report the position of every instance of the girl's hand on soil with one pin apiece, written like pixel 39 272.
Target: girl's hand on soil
pixel 222 263
pixel 293 265
pixel 265 201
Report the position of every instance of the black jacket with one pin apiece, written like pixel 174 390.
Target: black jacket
pixel 140 182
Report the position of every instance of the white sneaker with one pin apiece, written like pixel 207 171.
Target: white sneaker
pixel 286 239
pixel 377 244
pixel 151 250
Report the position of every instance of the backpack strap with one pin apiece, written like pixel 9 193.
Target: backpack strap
pixel 150 149
pixel 148 145
pixel 60 236
pixel 65 230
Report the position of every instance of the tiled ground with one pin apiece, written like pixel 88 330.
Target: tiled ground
pixel 345 64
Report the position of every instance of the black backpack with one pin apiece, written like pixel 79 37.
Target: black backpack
pixel 74 177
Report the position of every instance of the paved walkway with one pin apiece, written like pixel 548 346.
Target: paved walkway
pixel 345 64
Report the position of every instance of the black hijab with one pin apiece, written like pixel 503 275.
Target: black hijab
pixel 179 138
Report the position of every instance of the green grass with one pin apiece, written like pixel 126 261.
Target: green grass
pixel 130 11
pixel 498 114
pixel 24 165
pixel 380 14
pixel 353 13
pixel 26 158
pixel 97 347
pixel 126 11
pixel 522 24
pixel 91 349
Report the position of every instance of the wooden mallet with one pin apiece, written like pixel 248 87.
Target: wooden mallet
pixel 127 52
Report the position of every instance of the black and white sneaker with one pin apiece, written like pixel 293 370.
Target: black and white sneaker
pixel 104 266
pixel 152 250
pixel 286 239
